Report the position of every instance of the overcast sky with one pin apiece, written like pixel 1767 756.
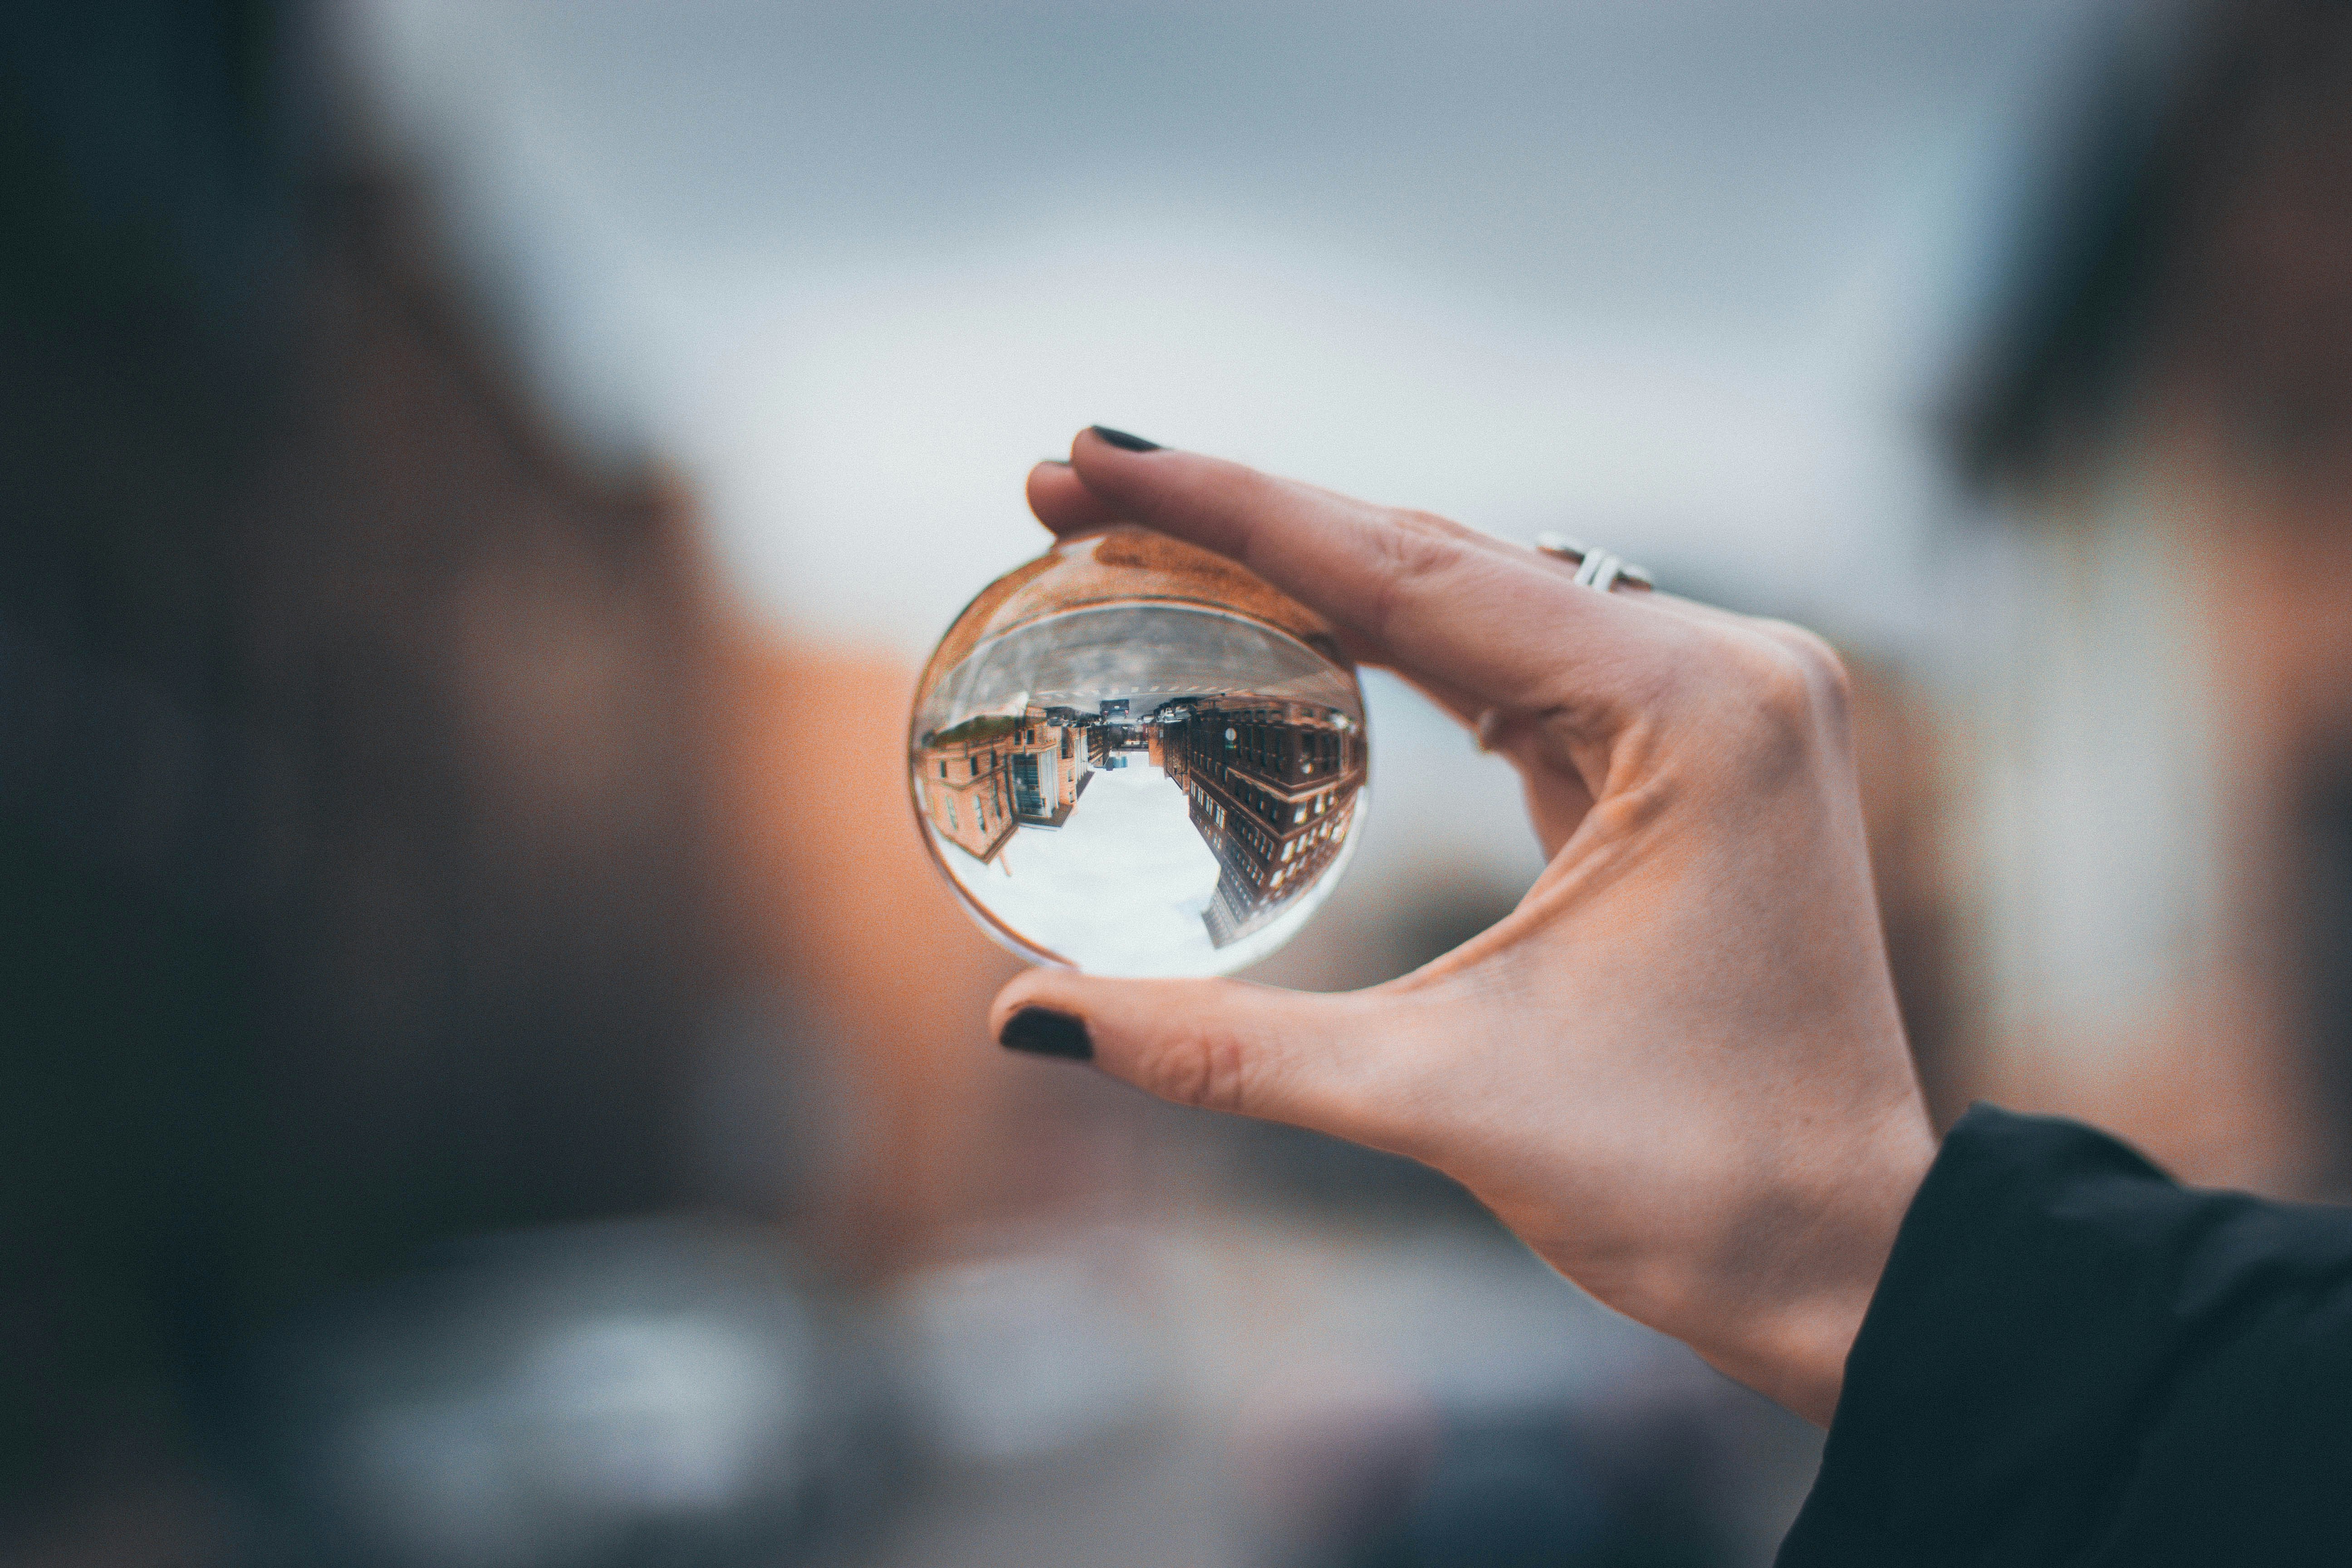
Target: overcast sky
pixel 1682 272
pixel 1683 275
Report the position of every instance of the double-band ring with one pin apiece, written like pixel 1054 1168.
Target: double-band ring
pixel 1600 570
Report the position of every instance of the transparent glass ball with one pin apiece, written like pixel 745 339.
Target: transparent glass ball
pixel 1133 757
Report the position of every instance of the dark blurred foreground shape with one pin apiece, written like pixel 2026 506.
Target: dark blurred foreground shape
pixel 348 849
pixel 2157 844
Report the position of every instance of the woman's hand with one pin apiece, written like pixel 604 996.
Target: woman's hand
pixel 1676 1069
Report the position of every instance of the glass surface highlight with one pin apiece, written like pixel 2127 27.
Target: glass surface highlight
pixel 1133 757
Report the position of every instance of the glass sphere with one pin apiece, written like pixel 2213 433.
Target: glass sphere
pixel 1133 757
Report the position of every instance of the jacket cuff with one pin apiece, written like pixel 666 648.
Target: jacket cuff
pixel 2045 1289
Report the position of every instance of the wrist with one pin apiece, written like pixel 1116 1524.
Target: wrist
pixel 1779 1305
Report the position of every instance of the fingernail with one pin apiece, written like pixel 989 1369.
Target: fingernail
pixel 1043 1031
pixel 1123 441
pixel 1053 462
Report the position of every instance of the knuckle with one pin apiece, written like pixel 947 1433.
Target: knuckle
pixel 1414 547
pixel 1776 686
pixel 1825 673
pixel 1787 695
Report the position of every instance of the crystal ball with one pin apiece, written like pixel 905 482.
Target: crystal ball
pixel 1133 757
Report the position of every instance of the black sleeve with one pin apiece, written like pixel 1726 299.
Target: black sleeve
pixel 2072 1360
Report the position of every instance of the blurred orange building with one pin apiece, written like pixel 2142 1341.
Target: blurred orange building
pixel 937 1128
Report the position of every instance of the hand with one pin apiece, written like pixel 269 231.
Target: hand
pixel 1677 1070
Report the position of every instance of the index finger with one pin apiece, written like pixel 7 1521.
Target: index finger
pixel 1431 597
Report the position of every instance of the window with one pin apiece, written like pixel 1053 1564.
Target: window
pixel 1028 795
pixel 954 826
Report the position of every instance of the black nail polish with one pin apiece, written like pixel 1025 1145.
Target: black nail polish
pixel 1123 441
pixel 1043 1031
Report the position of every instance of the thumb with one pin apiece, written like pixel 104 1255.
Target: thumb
pixel 1309 1059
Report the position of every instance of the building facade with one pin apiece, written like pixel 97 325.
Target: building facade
pixel 1272 787
pixel 982 779
pixel 964 784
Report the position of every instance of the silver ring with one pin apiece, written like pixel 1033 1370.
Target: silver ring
pixel 1597 569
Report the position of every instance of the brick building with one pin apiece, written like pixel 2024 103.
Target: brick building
pixel 1272 786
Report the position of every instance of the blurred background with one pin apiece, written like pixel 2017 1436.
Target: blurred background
pixel 489 1077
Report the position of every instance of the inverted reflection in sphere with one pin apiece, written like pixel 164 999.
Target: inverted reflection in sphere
pixel 1136 758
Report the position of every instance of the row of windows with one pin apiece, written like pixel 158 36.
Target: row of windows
pixel 973 765
pixel 1263 745
pixel 1317 835
pixel 1307 852
pixel 1247 832
pixel 979 811
pixel 972 768
pixel 1201 796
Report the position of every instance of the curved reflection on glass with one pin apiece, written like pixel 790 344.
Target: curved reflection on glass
pixel 1133 757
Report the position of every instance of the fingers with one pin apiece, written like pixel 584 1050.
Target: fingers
pixel 1062 501
pixel 1448 607
pixel 1221 1045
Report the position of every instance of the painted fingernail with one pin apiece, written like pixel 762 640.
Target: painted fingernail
pixel 1123 441
pixel 1043 1031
